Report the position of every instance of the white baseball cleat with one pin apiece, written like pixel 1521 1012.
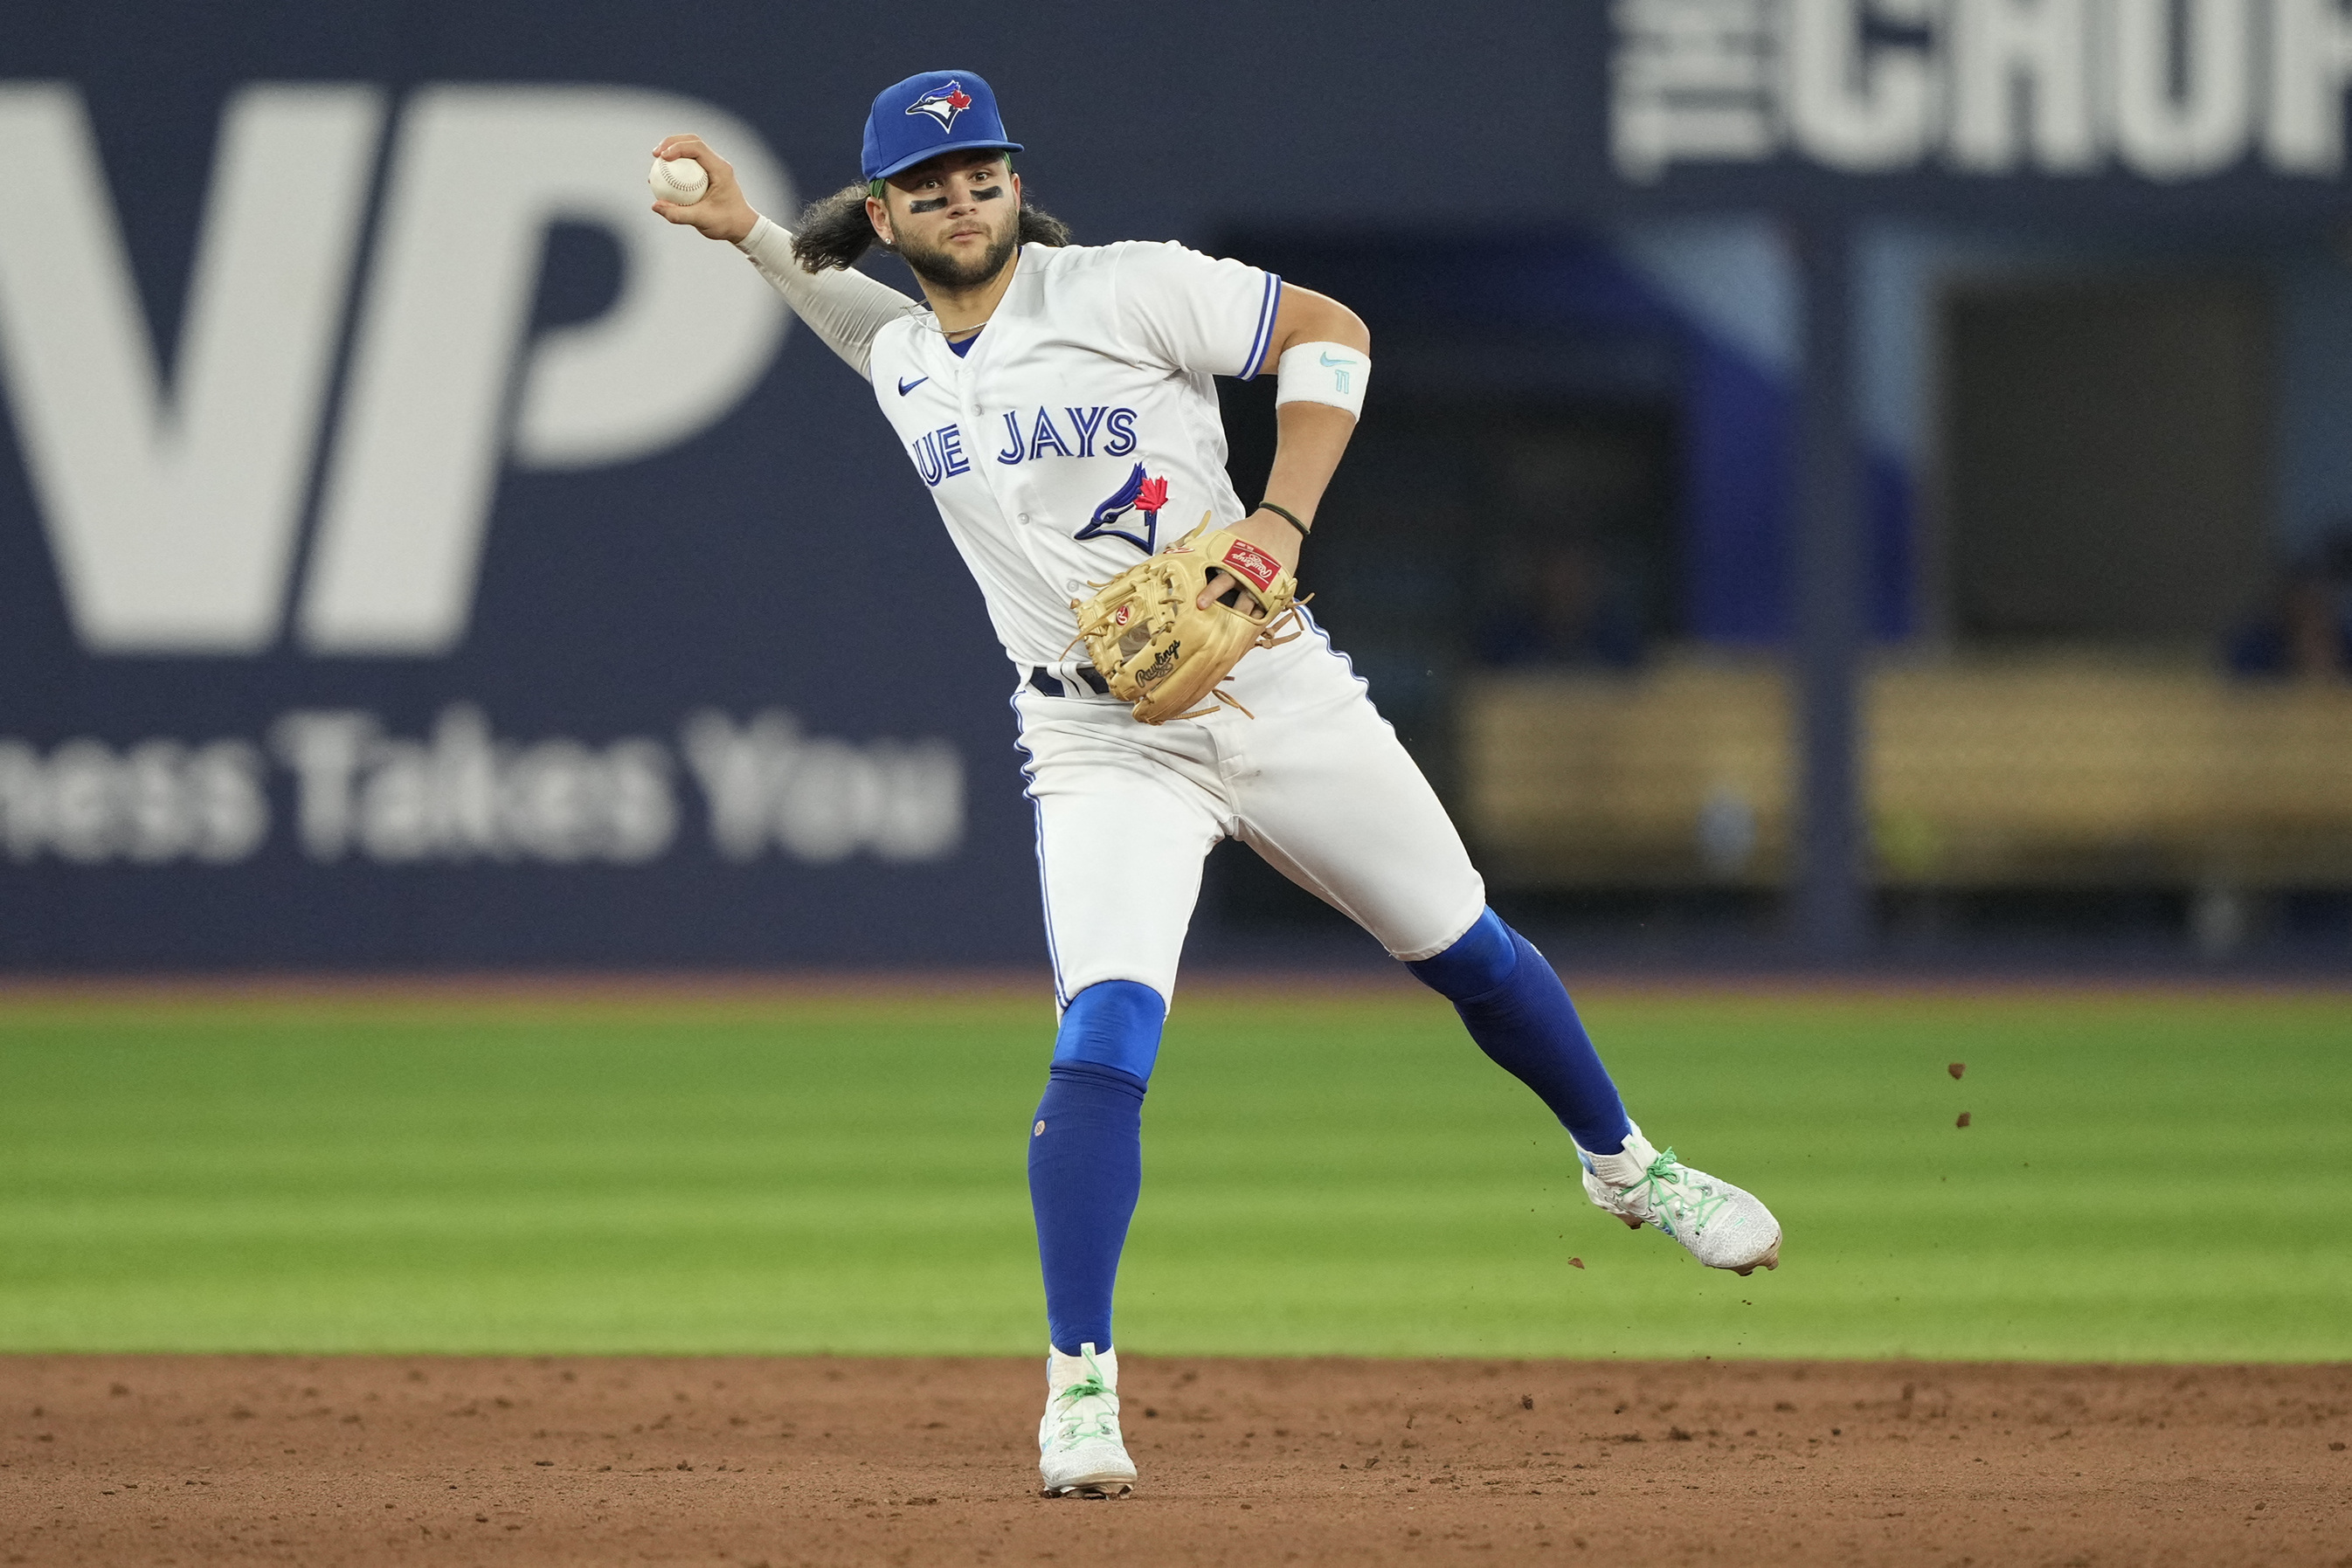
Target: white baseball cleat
pixel 1079 1451
pixel 1722 1225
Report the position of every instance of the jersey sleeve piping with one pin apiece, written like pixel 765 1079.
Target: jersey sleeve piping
pixel 1270 303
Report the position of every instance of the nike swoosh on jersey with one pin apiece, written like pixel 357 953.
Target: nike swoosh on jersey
pixel 906 386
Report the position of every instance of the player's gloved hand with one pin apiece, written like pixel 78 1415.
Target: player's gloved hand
pixel 722 213
pixel 1164 640
pixel 1269 532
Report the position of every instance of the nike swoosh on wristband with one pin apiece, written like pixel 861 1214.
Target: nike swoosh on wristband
pixel 906 386
pixel 1329 361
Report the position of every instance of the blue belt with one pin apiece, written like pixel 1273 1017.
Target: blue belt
pixel 1047 682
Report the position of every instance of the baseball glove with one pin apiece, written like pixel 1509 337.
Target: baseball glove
pixel 1162 654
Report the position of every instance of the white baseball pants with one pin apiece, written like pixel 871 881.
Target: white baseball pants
pixel 1318 783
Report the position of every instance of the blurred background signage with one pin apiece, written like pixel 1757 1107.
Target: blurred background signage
pixel 411 552
pixel 2164 89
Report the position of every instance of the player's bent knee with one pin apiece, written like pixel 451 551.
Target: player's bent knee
pixel 1113 1023
pixel 1482 960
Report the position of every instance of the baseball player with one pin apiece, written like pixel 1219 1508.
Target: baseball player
pixel 1058 403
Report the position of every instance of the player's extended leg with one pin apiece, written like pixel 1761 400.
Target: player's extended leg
pixel 1331 799
pixel 1515 1007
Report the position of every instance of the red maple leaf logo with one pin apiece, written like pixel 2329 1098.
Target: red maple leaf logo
pixel 960 99
pixel 1153 495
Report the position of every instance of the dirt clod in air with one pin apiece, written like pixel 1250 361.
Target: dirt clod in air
pixel 1963 1121
pixel 1956 1068
pixel 1576 1263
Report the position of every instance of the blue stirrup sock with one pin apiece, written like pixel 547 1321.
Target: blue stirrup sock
pixel 1086 1154
pixel 1518 1012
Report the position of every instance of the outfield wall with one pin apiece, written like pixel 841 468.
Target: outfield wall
pixel 411 552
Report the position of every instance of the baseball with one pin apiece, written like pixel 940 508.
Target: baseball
pixel 679 180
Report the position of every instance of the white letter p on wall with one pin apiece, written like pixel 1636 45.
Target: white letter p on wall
pixel 478 173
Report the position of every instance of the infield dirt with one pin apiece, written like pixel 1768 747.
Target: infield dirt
pixel 365 1460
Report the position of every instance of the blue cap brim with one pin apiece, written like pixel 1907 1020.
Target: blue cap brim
pixel 927 154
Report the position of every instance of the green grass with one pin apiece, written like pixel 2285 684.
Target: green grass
pixel 2151 1176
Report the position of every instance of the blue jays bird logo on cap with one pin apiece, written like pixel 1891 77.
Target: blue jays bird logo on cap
pixel 943 105
pixel 926 115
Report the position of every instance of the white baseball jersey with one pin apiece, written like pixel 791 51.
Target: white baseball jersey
pixel 1078 432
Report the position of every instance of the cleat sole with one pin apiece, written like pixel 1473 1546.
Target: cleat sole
pixel 1091 1491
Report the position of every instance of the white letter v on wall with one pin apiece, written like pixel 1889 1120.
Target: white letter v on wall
pixel 172 513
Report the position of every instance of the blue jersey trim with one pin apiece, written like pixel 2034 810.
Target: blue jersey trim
pixel 1270 303
pixel 1316 629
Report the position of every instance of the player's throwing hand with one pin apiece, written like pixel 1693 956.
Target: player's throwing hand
pixel 722 213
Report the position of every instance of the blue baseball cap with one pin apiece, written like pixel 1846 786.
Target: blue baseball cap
pixel 926 115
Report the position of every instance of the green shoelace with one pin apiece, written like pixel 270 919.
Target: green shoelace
pixel 1090 1386
pixel 1658 1182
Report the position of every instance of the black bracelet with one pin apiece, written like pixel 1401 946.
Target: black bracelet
pixel 1288 516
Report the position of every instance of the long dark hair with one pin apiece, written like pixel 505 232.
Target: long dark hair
pixel 834 231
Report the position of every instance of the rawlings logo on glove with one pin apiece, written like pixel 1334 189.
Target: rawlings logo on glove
pixel 1245 560
pixel 1162 654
